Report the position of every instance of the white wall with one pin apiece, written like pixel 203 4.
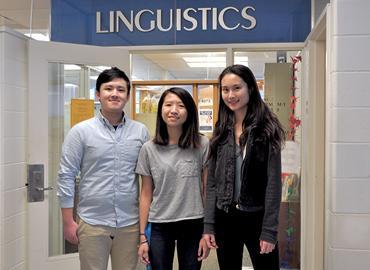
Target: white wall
pixel 348 138
pixel 13 100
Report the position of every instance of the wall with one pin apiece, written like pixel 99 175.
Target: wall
pixel 13 106
pixel 317 8
pixel 348 136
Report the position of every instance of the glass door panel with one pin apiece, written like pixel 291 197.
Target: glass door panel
pixel 278 79
pixel 146 103
pixel 66 82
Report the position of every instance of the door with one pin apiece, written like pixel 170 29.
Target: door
pixel 48 120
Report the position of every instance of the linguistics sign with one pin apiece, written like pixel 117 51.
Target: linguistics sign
pixel 170 22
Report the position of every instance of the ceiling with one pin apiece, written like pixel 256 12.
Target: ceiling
pixel 16 14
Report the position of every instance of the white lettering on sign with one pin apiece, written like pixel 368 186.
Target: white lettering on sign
pixel 221 18
pixel 248 17
pixel 175 19
pixel 137 21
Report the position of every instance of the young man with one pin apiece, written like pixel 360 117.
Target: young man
pixel 104 150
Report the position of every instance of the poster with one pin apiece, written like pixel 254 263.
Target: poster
pixel 290 162
pixel 291 157
pixel 206 120
pixel 81 109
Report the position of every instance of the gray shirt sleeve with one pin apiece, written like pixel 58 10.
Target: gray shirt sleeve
pixel 205 151
pixel 143 165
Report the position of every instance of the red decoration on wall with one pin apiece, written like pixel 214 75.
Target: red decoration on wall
pixel 294 122
pixel 289 228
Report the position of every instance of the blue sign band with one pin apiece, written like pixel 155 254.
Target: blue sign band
pixel 170 22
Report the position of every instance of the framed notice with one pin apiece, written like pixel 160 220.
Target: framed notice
pixel 206 120
pixel 291 157
pixel 81 109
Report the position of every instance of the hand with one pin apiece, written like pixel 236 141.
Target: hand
pixel 70 232
pixel 266 247
pixel 203 250
pixel 210 240
pixel 143 253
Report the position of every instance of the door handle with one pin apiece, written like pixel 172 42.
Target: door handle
pixel 44 188
pixel 35 183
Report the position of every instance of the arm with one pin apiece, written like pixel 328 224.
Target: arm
pixel 204 184
pixel 69 226
pixel 210 205
pixel 203 250
pixel 272 202
pixel 70 164
pixel 146 197
pixel 205 154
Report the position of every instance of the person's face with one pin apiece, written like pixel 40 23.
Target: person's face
pixel 234 92
pixel 174 113
pixel 113 96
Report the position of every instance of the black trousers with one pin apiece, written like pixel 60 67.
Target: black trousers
pixel 236 229
pixel 186 234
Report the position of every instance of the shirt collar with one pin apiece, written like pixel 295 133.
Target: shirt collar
pixel 101 117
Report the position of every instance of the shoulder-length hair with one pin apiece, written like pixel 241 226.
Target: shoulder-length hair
pixel 190 136
pixel 258 117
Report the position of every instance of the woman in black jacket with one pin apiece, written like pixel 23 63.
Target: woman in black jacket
pixel 244 175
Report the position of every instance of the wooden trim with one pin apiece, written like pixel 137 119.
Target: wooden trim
pixel 133 99
pixel 215 103
pixel 195 93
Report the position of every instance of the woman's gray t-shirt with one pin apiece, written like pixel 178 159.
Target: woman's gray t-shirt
pixel 176 175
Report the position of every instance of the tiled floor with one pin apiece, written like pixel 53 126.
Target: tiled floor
pixel 251 268
pixel 211 262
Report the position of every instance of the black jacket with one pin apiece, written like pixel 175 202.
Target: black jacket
pixel 260 187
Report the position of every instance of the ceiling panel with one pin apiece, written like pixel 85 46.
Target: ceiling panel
pixel 17 13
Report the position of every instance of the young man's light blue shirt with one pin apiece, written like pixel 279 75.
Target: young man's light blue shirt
pixel 106 158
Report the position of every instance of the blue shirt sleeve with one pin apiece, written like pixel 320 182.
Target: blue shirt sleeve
pixel 70 164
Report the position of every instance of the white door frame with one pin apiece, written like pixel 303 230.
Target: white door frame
pixel 314 103
pixel 40 54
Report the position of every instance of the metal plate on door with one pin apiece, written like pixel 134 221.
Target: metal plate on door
pixel 35 183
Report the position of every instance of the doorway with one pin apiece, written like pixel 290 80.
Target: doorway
pixel 274 70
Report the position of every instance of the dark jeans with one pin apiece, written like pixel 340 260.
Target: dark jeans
pixel 187 233
pixel 236 229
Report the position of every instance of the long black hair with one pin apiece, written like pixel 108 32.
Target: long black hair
pixel 258 117
pixel 190 136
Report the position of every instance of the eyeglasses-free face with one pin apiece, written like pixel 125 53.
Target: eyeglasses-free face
pixel 174 113
pixel 113 96
pixel 234 92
